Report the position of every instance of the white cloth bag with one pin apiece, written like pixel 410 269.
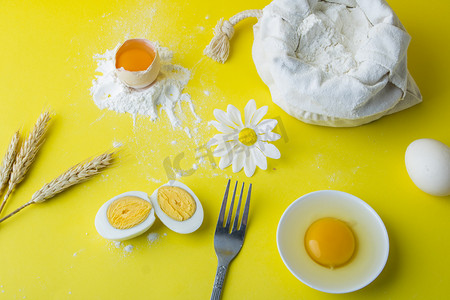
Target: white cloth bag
pixel 380 84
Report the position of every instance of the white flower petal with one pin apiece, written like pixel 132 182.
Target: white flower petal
pixel 218 139
pixel 239 147
pixel 249 166
pixel 235 116
pixel 234 136
pixel 223 149
pixel 258 115
pixel 212 142
pixel 266 125
pixel 269 137
pixel 238 161
pixel 269 150
pixel 259 158
pixel 221 127
pixel 226 160
pixel 222 117
pixel 249 110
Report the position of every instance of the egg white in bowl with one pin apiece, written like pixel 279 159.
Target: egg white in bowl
pixel 372 242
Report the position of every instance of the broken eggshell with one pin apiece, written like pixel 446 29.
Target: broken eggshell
pixel 138 79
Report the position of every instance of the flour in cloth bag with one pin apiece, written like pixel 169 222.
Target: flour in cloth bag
pixel 338 63
pixel 331 36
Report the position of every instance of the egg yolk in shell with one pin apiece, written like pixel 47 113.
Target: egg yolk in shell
pixel 136 56
pixel 127 212
pixel 330 242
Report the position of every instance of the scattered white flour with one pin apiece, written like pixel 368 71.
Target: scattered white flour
pixel 330 37
pixel 187 98
pixel 207 93
pixel 110 93
pixel 128 248
pixel 76 253
pixel 153 179
pixel 117 244
pixel 188 132
pixel 173 142
pixel 117 144
pixel 152 237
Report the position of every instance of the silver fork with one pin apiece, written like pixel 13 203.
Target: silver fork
pixel 228 240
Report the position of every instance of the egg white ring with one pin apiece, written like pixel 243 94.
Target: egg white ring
pixel 361 270
pixel 106 230
pixel 188 226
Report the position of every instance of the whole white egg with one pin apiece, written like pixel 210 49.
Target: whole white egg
pixel 108 231
pixel 428 164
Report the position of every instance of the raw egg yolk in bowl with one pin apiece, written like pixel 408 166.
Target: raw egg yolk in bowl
pixel 332 241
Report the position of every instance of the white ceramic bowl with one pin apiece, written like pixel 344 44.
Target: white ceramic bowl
pixel 372 242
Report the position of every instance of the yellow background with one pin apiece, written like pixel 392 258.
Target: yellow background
pixel 52 250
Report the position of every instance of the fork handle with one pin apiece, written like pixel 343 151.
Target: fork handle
pixel 218 282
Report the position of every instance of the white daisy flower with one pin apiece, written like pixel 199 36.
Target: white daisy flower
pixel 244 145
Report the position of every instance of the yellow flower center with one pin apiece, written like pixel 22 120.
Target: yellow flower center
pixel 247 136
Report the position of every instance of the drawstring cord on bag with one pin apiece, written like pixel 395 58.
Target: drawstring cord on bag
pixel 219 47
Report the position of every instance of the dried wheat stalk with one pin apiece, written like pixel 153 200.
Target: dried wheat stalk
pixel 7 163
pixel 27 153
pixel 74 175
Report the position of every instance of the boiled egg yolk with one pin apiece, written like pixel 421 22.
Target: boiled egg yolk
pixel 137 56
pixel 177 203
pixel 127 212
pixel 330 242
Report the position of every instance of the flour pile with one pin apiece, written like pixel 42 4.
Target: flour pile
pixel 110 93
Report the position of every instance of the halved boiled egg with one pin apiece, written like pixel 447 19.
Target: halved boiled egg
pixel 125 216
pixel 177 207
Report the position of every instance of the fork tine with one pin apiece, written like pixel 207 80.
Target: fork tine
pixel 238 209
pixel 230 211
pixel 223 207
pixel 246 209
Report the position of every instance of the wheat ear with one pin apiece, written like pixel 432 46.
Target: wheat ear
pixel 74 175
pixel 27 153
pixel 7 163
